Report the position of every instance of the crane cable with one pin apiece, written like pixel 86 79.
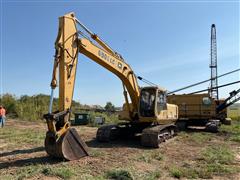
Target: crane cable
pixel 216 87
pixel 189 86
pixel 146 81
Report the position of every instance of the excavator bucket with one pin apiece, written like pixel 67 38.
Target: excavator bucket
pixel 70 146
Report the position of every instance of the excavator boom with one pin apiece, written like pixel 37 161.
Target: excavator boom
pixel 61 140
pixel 147 106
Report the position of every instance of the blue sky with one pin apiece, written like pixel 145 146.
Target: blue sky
pixel 168 43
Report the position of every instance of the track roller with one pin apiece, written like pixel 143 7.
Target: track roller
pixel 107 133
pixel 153 136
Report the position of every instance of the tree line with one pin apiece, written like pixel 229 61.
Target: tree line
pixel 33 107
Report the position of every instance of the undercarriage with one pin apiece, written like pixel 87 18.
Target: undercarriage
pixel 208 125
pixel 151 135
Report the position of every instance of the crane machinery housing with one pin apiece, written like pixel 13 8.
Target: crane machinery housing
pixel 205 110
pixel 145 109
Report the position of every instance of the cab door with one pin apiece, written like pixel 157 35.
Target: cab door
pixel 161 105
pixel 147 102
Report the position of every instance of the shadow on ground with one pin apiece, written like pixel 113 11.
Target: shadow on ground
pixel 27 161
pixel 130 142
pixel 22 151
pixel 135 141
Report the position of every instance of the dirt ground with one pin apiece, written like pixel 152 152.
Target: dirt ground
pixel 190 155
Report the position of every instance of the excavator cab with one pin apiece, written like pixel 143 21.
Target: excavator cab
pixel 152 101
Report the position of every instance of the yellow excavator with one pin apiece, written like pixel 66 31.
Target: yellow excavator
pixel 145 109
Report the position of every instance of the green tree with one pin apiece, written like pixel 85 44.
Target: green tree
pixel 9 102
pixel 109 107
pixel 30 107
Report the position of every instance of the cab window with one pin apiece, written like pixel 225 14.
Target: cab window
pixel 147 103
pixel 161 101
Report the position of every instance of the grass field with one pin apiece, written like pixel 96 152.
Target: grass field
pixel 234 111
pixel 190 155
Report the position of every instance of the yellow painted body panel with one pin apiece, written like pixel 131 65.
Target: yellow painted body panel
pixel 195 106
pixel 118 67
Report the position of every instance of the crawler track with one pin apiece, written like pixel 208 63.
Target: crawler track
pixel 153 136
pixel 107 133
